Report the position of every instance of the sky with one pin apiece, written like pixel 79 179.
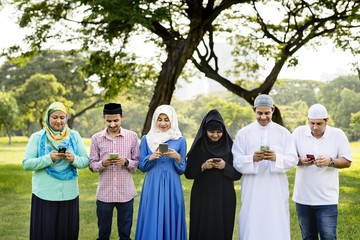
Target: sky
pixel 323 64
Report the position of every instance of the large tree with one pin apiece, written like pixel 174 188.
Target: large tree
pixel 179 26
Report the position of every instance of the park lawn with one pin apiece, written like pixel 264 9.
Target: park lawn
pixel 15 197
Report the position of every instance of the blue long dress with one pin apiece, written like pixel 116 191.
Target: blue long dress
pixel 161 209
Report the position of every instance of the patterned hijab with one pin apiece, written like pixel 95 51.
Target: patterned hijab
pixel 57 138
pixel 155 135
pixel 51 140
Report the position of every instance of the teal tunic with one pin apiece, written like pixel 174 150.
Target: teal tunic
pixel 43 185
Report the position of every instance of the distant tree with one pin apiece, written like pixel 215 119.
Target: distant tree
pixel 294 114
pixel 343 111
pixel 341 98
pixel 9 114
pixel 289 91
pixel 355 125
pixel 36 94
pixel 234 115
pixel 66 66
pixel 330 93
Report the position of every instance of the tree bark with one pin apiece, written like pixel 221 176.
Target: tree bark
pixel 165 85
pixel 9 135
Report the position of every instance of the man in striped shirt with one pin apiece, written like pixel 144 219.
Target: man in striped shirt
pixel 116 187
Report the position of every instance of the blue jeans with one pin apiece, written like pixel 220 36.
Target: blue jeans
pixel 104 213
pixel 314 220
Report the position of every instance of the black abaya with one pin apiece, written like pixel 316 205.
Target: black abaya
pixel 213 199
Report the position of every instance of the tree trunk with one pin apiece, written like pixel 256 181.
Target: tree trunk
pixel 9 135
pixel 165 85
pixel 29 128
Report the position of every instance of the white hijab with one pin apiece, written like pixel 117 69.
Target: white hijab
pixel 155 135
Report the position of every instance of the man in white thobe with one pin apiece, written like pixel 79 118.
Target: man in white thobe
pixel 263 152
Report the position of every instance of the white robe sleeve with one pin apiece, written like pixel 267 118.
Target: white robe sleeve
pixel 243 162
pixel 287 159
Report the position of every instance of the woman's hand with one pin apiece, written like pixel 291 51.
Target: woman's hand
pixel 219 164
pixel 55 156
pixel 173 154
pixel 207 165
pixel 69 156
pixel 155 155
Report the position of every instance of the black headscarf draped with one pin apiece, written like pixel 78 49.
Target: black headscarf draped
pixel 202 142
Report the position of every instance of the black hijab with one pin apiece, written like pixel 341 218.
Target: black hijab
pixel 202 142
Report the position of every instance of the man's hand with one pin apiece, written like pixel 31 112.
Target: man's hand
pixel 107 162
pixel 306 161
pixel 119 161
pixel 258 156
pixel 322 161
pixel 270 155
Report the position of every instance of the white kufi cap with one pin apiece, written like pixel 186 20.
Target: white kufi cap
pixel 317 111
pixel 263 100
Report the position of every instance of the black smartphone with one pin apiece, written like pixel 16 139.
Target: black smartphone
pixel 216 159
pixel 312 157
pixel 163 147
pixel 62 150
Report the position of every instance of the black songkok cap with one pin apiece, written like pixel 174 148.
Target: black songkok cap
pixel 112 108
pixel 214 125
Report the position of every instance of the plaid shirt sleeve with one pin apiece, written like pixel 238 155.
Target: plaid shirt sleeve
pixel 95 165
pixel 135 154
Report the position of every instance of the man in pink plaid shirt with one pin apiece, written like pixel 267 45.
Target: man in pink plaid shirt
pixel 116 187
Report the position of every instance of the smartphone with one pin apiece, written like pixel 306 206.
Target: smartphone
pixel 264 148
pixel 62 150
pixel 216 159
pixel 163 147
pixel 113 155
pixel 312 157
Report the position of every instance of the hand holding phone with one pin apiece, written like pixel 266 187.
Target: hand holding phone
pixel 113 155
pixel 264 148
pixel 311 156
pixel 62 150
pixel 216 160
pixel 163 147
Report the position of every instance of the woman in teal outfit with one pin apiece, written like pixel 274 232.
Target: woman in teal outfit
pixel 162 210
pixel 55 193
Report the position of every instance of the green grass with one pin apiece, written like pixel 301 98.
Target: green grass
pixel 15 197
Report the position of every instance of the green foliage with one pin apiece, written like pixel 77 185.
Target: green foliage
pixel 330 93
pixel 9 114
pixel 234 115
pixel 341 97
pixel 118 73
pixel 288 91
pixel 37 93
pixel 294 114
